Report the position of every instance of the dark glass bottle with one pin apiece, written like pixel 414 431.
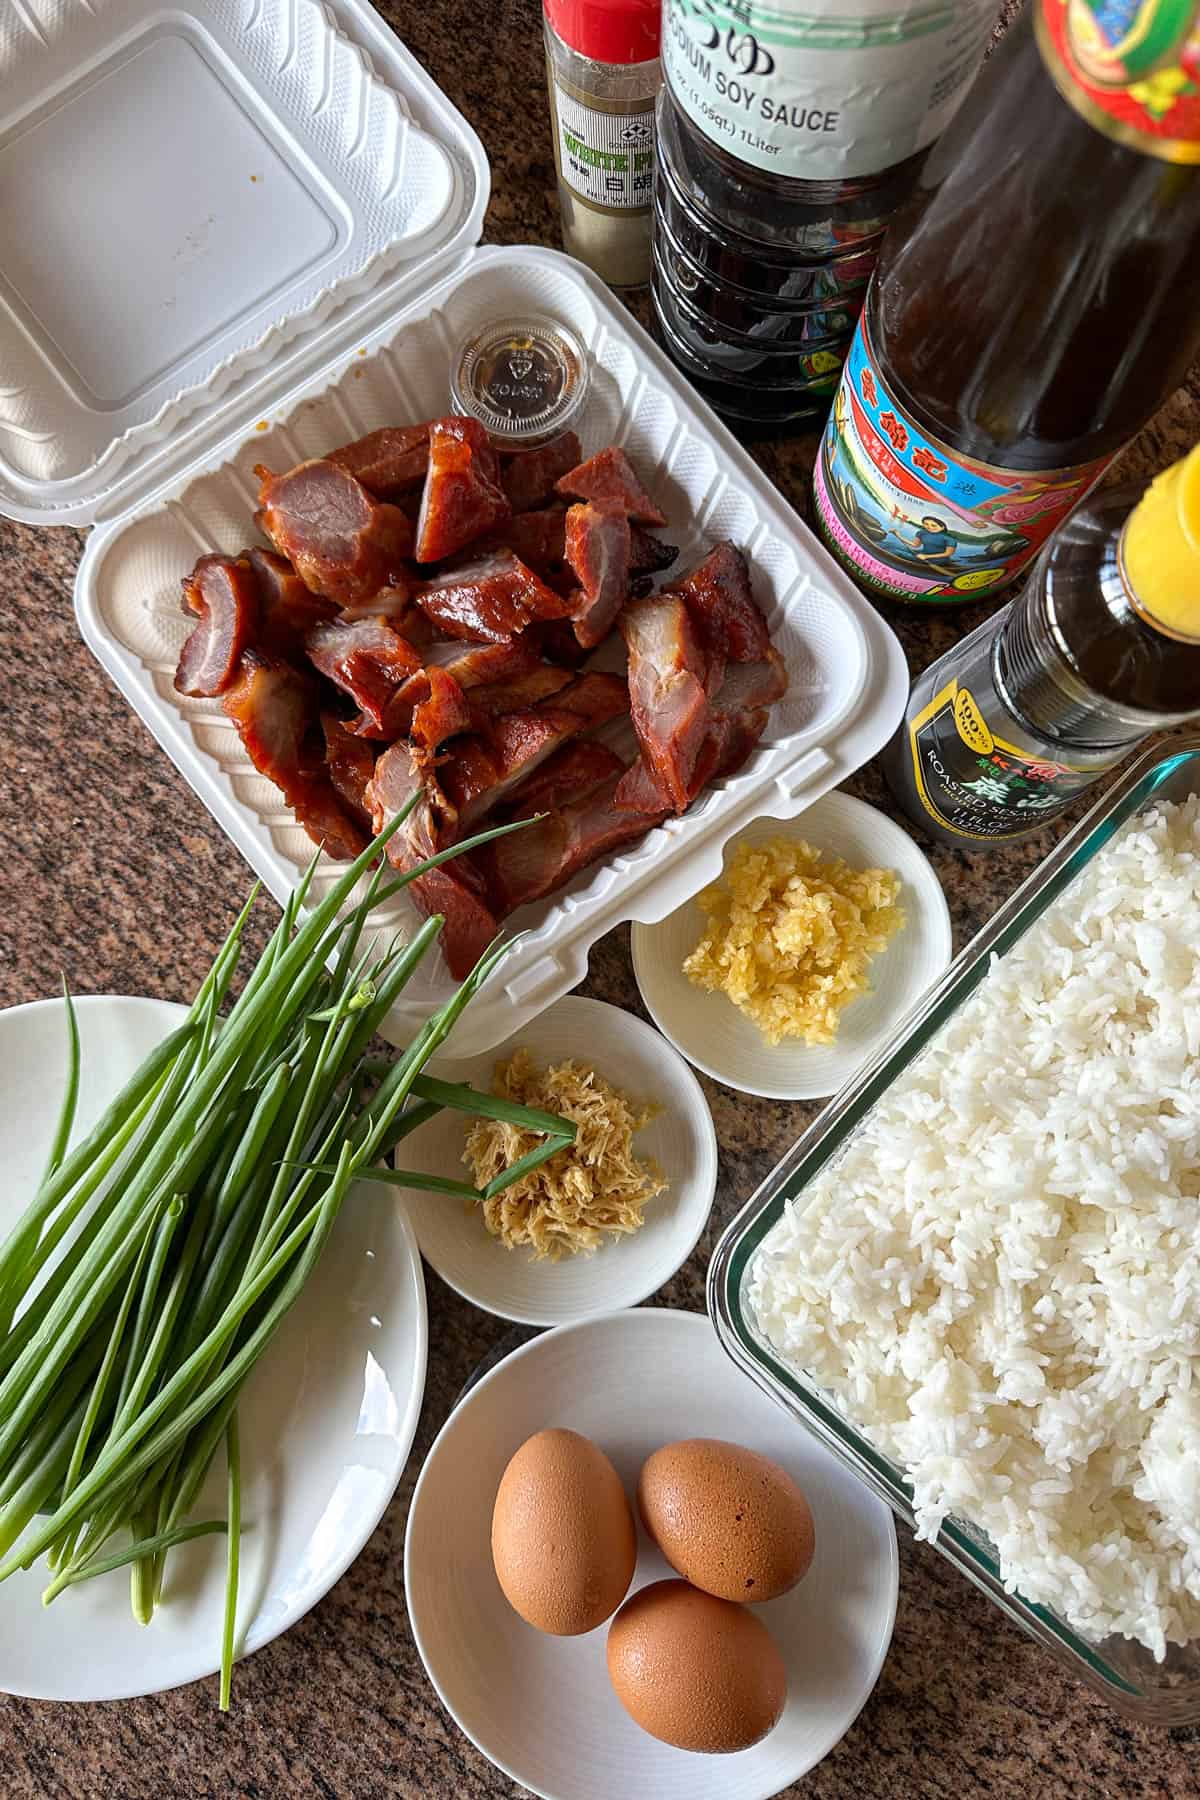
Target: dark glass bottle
pixel 787 136
pixel 1100 649
pixel 1037 298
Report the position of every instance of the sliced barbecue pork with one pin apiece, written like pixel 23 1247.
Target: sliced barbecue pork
pixel 481 773
pixel 367 660
pixel 350 761
pixel 469 925
pixel 462 497
pixel 490 599
pixel 223 593
pixel 572 772
pixel 343 544
pixel 648 555
pixel 723 608
pixel 289 610
pixel 532 863
pixel 597 545
pixel 667 671
pixel 274 706
pixel 609 475
pixel 390 462
pixel 529 475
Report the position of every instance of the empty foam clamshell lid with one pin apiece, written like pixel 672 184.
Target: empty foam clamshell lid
pixel 230 200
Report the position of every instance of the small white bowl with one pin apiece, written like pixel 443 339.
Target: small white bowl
pixel 718 1038
pixel 680 1138
pixel 542 1708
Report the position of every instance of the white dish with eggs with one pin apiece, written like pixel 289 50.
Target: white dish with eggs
pixel 542 1708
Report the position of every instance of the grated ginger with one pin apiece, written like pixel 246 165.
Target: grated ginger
pixel 791 935
pixel 594 1188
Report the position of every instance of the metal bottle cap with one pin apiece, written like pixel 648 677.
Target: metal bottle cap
pixel 523 378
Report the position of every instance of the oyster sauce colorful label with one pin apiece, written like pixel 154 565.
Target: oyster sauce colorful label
pixel 1131 68
pixel 913 519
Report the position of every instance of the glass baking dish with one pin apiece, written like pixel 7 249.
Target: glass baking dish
pixel 1125 1673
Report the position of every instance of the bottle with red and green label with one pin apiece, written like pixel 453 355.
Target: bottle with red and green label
pixel 1035 300
pixel 1100 649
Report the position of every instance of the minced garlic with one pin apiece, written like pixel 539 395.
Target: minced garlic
pixel 595 1188
pixel 791 935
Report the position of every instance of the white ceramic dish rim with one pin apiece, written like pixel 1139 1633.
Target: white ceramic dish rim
pixel 707 1143
pixel 257 1639
pixel 523 1351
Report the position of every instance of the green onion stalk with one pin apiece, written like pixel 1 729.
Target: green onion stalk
pixel 159 1254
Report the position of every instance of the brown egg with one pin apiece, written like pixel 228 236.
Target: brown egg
pixel 695 1671
pixel 563 1539
pixel 727 1519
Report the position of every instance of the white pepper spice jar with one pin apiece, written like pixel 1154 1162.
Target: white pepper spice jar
pixel 602 65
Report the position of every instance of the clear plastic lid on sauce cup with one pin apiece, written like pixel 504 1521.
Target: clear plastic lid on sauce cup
pixel 525 379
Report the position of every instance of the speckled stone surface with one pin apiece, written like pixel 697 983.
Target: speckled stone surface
pixel 113 872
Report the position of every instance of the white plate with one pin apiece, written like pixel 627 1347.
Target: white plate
pixel 721 1040
pixel 327 1419
pixel 634 1058
pixel 541 1707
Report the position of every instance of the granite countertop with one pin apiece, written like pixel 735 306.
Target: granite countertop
pixel 115 874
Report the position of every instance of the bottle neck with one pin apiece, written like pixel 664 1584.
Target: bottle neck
pixel 1040 663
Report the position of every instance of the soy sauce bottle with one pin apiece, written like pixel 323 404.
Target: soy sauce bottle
pixel 788 133
pixel 1100 649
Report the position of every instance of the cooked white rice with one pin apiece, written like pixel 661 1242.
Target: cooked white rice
pixel 999 1278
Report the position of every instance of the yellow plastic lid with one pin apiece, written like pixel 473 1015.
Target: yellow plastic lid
pixel 1161 550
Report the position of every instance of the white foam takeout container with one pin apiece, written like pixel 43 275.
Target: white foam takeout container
pixel 248 233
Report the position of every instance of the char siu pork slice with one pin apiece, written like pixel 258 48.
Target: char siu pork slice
pixel 532 863
pixel 391 462
pixel 718 595
pixel 223 594
pixel 570 774
pixel 462 497
pixel 481 773
pixel 537 684
pixel 490 599
pixel 667 671
pixel 597 544
pixel 342 543
pixel 351 764
pixel 529 475
pixel 737 718
pixel 470 666
pixel 648 555
pixel 538 538
pixel 289 610
pixel 469 925
pixel 319 809
pixel 367 660
pixel 274 706
pixel 557 641
pixel 609 475
pixel 443 713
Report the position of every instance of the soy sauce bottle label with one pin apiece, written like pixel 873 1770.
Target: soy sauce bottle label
pixel 822 91
pixel 913 519
pixel 1131 68
pixel 977 785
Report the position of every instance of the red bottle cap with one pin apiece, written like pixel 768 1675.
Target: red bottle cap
pixel 611 31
